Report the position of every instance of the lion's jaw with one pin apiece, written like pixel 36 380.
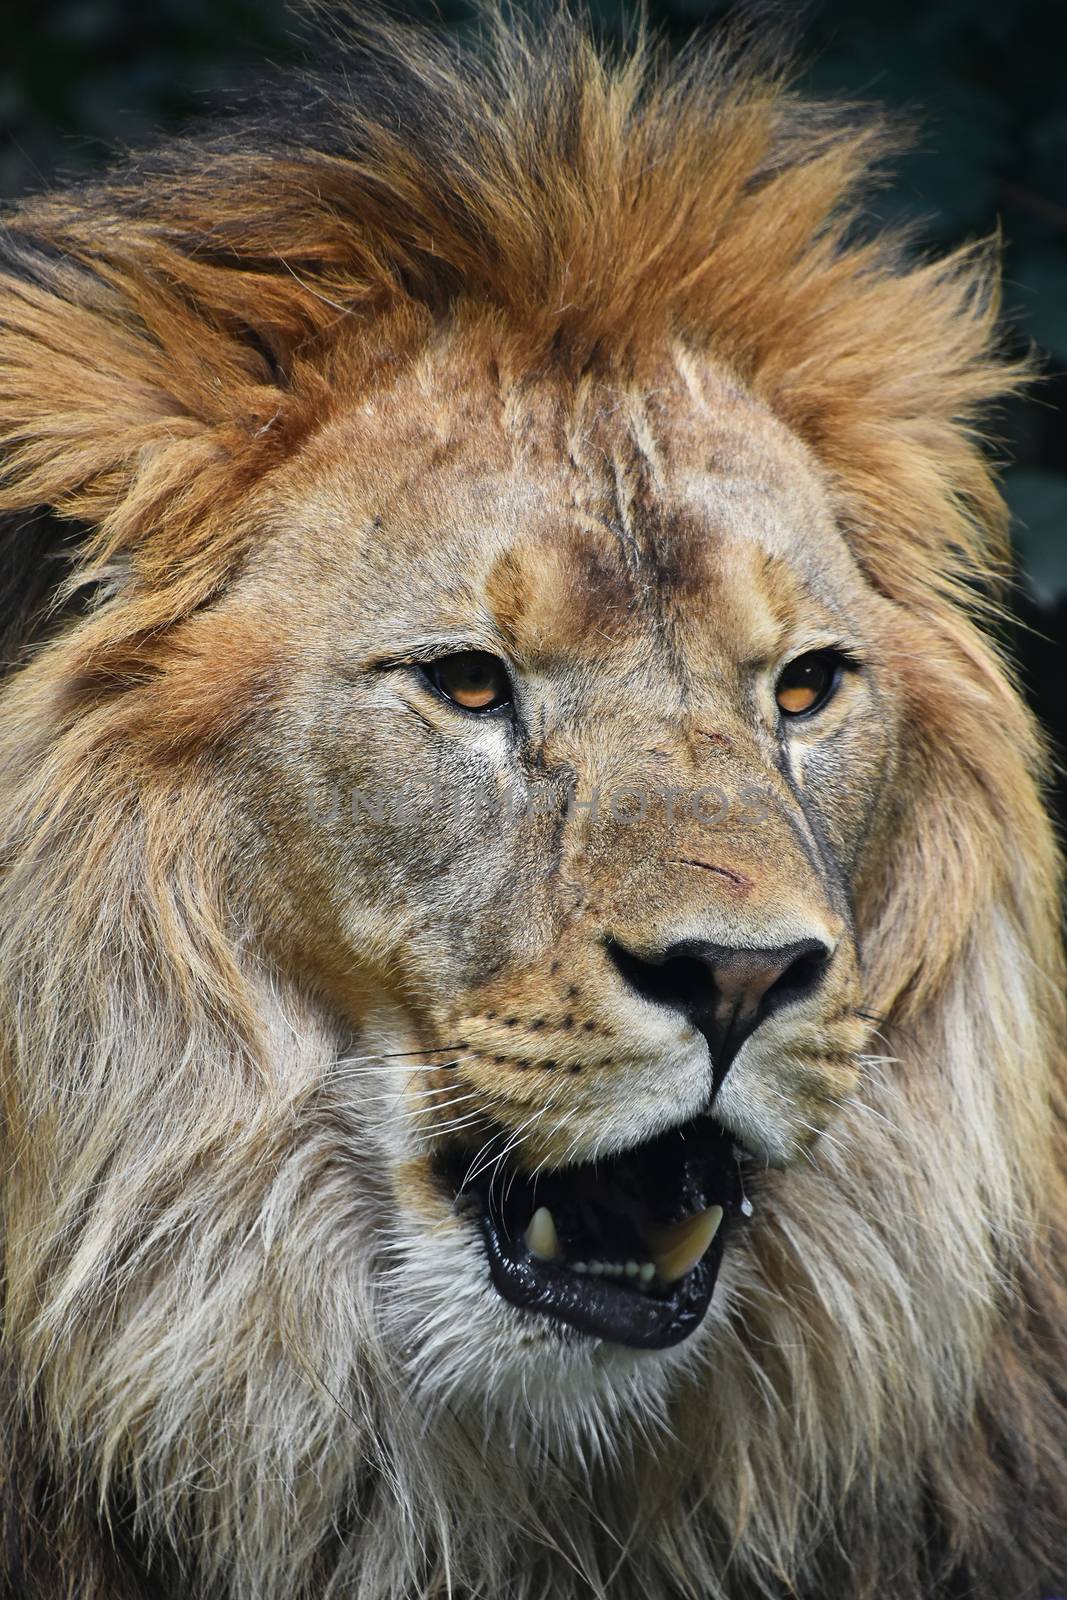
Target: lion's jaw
pixel 462 888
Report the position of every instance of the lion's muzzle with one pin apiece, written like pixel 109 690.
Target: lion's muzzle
pixel 724 991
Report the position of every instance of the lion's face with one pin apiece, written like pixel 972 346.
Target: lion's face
pixel 581 733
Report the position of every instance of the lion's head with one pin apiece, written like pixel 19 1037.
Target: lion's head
pixel 531 1002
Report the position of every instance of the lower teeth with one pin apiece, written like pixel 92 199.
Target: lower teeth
pixel 644 1271
pixel 678 1248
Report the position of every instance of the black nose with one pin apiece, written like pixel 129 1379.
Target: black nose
pixel 725 991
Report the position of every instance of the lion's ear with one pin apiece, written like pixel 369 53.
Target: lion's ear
pixel 133 410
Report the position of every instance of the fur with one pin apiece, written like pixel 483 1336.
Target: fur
pixel 383 327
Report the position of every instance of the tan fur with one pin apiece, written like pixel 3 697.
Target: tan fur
pixel 591 366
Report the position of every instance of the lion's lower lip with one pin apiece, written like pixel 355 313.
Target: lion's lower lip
pixel 606 1309
pixel 606 1213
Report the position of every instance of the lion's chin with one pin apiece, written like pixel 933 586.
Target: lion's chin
pixel 625 1250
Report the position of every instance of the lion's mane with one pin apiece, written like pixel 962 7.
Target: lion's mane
pixel 199 1395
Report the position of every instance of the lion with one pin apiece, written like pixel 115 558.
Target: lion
pixel 532 1020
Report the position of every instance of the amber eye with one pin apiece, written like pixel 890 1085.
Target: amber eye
pixel 472 679
pixel 808 682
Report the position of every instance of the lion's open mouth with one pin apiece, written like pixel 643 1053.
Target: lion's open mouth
pixel 626 1249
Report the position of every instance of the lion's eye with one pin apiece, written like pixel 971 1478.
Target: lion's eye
pixel 808 682
pixel 472 679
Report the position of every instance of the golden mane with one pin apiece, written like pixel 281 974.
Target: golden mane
pixel 168 336
pixel 595 205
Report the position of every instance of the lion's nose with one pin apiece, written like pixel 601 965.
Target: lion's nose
pixel 726 991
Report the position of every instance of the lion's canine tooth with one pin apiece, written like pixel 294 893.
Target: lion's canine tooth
pixel 676 1250
pixel 541 1239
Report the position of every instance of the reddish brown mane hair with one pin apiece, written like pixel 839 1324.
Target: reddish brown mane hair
pixel 201 290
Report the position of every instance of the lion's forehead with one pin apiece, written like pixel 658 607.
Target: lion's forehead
pixel 577 523
pixel 695 584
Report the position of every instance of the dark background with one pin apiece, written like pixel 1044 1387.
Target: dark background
pixel 986 81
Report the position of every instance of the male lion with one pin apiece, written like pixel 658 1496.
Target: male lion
pixel 531 998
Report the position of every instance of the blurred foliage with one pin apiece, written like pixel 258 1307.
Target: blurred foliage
pixel 983 82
